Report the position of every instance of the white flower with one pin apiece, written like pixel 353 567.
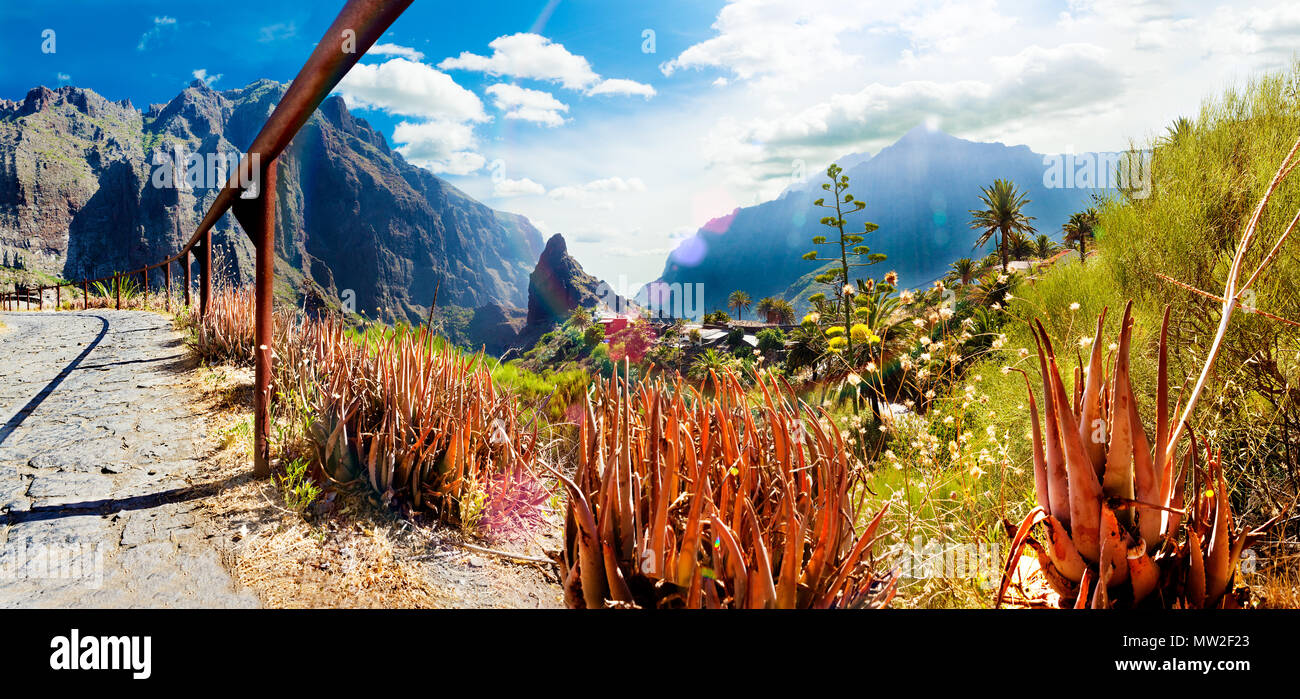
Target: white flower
pixel 870 367
pixel 854 379
pixel 925 341
pixel 925 356
pixel 849 290
pixel 1113 347
pixel 1002 279
pixel 996 306
pixel 1074 306
pixel 918 322
pixel 1085 341
pixel 945 313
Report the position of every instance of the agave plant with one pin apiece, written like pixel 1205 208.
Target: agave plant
pixel 420 423
pixel 1118 528
pixel 227 331
pixel 685 501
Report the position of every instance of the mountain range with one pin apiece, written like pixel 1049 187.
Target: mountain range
pixel 79 197
pixel 919 190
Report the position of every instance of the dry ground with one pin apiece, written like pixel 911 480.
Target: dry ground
pixel 348 551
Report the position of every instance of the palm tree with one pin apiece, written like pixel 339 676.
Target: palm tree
pixel 580 318
pixel 775 305
pixel 1180 129
pixel 964 270
pixel 706 361
pixel 738 300
pixel 1021 247
pixel 1080 229
pixel 1044 246
pixel 1003 215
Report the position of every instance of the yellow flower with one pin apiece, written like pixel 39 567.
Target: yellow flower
pixel 859 332
pixel 835 330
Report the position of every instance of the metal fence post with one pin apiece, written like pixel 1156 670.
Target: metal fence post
pixel 205 273
pixel 257 216
pixel 185 258
pixel 117 286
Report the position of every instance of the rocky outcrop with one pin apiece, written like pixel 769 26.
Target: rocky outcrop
pixel 78 197
pixel 558 285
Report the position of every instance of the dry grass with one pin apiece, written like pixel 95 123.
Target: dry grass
pixel 350 551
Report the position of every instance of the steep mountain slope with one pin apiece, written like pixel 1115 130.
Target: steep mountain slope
pixel 918 190
pixel 79 196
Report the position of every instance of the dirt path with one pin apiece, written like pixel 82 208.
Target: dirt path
pixel 98 453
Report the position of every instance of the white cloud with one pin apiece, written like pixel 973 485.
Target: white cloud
pixel 160 24
pixel 395 50
pixel 515 188
pixel 408 88
pixel 528 56
pixel 620 86
pixel 785 43
pixel 534 57
pixel 439 145
pixel 442 140
pixel 202 74
pixel 276 32
pixel 1070 79
pixel 528 105
pixel 596 194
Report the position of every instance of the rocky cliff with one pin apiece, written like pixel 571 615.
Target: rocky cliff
pixel 81 195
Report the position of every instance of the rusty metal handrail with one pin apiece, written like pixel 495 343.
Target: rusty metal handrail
pixel 356 28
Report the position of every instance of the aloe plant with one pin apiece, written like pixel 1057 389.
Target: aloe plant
pixel 685 501
pixel 1119 526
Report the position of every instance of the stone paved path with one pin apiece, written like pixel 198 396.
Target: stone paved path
pixel 96 444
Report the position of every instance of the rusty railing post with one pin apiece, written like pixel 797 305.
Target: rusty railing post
pixel 168 267
pixel 40 298
pixel 58 296
pixel 186 264
pixel 146 288
pixel 85 296
pixel 257 216
pixel 117 288
pixel 205 273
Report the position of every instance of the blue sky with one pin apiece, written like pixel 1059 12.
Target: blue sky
pixel 559 110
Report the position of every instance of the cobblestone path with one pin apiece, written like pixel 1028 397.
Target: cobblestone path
pixel 96 444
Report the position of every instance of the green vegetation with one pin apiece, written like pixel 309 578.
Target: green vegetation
pixel 1003 215
pixel 739 300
